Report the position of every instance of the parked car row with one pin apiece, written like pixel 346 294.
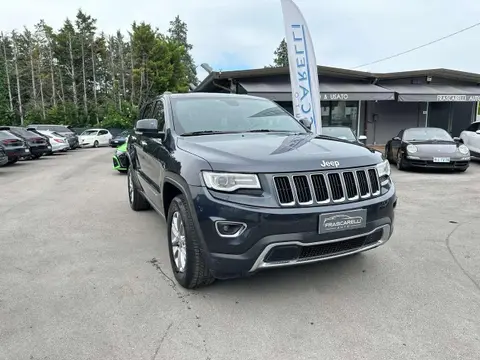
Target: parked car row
pixel 37 140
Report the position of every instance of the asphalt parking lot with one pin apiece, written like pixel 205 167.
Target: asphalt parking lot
pixel 84 277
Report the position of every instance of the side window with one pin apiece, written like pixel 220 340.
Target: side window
pixel 473 127
pixel 102 132
pixel 147 111
pixel 159 114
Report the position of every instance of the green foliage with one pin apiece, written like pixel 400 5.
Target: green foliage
pixel 281 55
pixel 81 77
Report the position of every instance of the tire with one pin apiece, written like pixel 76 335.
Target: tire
pixel 195 272
pixel 136 199
pixel 95 144
pixel 399 161
pixel 123 171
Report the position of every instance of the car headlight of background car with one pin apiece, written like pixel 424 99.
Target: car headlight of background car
pixel 412 149
pixel 384 171
pixel 230 181
pixel 463 149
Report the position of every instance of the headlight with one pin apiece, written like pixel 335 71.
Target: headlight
pixel 230 181
pixel 384 171
pixel 463 149
pixel 118 153
pixel 412 149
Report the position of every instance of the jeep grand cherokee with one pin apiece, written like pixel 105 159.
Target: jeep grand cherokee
pixel 244 186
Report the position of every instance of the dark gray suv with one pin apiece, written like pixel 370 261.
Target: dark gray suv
pixel 244 186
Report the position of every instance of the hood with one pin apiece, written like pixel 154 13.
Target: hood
pixel 435 148
pixel 276 152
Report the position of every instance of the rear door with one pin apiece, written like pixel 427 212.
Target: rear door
pixel 103 137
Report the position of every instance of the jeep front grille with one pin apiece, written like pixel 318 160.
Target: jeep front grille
pixel 327 187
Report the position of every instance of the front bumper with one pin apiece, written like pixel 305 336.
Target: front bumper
pixel 278 237
pixel 427 162
pixel 120 162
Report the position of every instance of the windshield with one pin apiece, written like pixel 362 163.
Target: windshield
pixel 57 128
pixel 89 132
pixel 344 133
pixel 231 114
pixel 422 134
pixel 124 133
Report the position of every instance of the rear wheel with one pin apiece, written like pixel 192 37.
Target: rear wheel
pixel 187 259
pixel 136 199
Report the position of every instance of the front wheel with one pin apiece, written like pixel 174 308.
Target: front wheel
pixel 95 144
pixel 187 259
pixel 135 198
pixel 400 162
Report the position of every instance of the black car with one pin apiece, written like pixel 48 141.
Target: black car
pixel 3 156
pixel 120 139
pixel 33 130
pixel 244 186
pixel 344 133
pixel 14 147
pixel 65 131
pixel 427 147
pixel 38 145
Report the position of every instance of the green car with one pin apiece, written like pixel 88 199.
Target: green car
pixel 120 159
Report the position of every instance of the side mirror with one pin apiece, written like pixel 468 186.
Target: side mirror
pixel 478 132
pixel 149 128
pixel 362 138
pixel 457 139
pixel 396 138
pixel 306 122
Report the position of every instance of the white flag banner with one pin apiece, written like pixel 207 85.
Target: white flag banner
pixel 303 66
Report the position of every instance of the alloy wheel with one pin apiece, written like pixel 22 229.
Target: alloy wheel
pixel 178 242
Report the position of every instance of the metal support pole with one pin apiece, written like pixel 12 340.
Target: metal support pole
pixel 359 114
pixel 426 115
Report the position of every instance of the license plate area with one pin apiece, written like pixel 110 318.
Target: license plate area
pixel 342 220
pixel 441 159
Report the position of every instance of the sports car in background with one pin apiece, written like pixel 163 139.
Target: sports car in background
pixel 120 139
pixel 15 147
pixel 427 147
pixel 37 144
pixel 3 156
pixel 65 131
pixel 120 159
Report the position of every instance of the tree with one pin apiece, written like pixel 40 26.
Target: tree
pixel 281 55
pixel 79 76
pixel 178 32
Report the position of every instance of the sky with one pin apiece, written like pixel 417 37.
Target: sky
pixel 243 34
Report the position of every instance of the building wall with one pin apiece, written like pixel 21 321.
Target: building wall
pixel 384 119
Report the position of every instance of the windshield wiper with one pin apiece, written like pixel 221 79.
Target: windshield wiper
pixel 207 132
pixel 333 138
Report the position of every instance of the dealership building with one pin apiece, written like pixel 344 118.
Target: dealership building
pixel 375 105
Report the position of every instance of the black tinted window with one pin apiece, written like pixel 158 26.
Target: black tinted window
pixel 159 114
pixel 147 111
pixel 473 127
pixel 421 134
pixel 6 135
pixel 231 114
pixel 103 132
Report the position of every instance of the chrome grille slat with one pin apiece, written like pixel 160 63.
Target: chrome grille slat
pixel 328 187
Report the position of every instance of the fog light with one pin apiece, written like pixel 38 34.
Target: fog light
pixel 230 228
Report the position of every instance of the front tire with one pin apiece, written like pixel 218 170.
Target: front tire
pixel 135 198
pixel 400 164
pixel 187 259
pixel 95 144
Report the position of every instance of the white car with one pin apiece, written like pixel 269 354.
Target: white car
pixel 58 142
pixel 95 138
pixel 471 138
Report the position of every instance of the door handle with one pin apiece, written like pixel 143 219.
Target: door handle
pixel 143 143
